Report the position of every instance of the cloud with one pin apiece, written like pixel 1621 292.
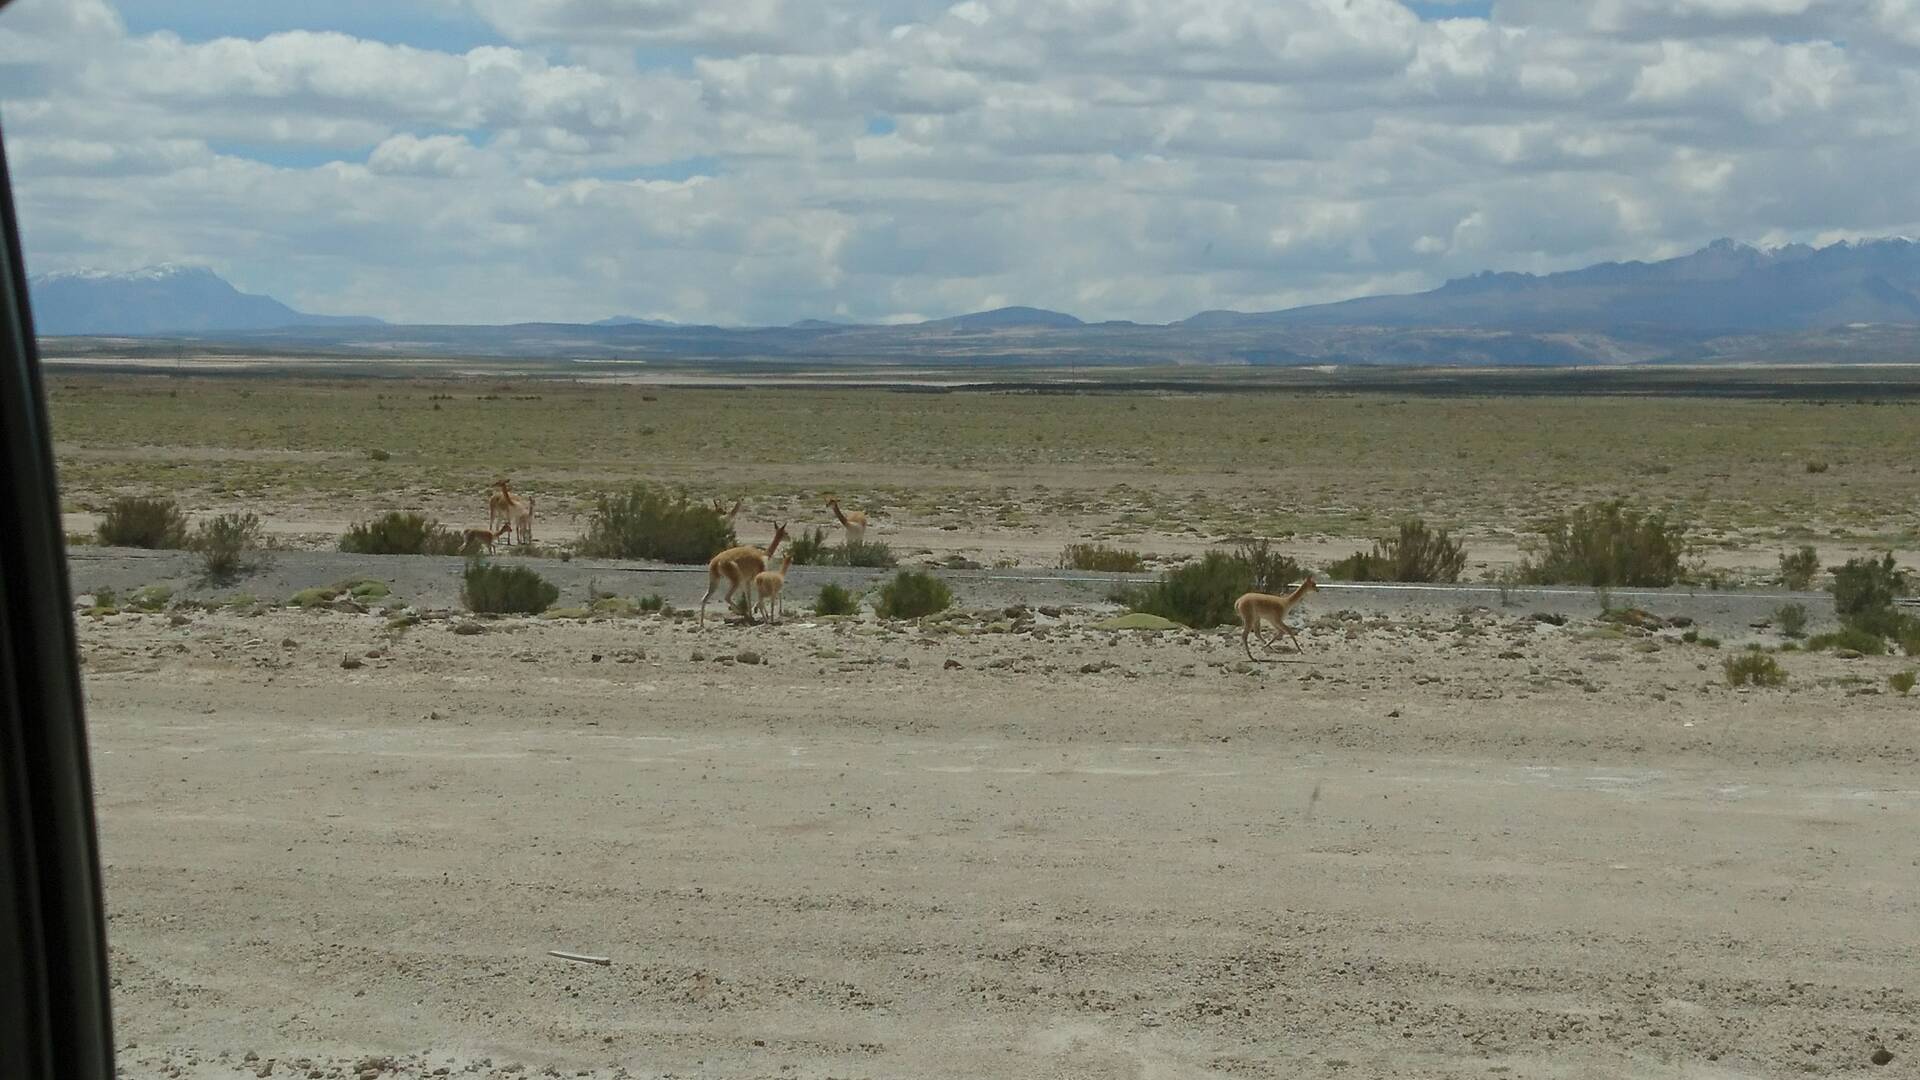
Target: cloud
pixel 779 159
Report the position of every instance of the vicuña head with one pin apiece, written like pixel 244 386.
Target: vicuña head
pixel 779 534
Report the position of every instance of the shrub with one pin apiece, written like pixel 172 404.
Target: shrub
pixel 150 598
pixel 1861 641
pixel 1607 543
pixel 507 589
pixel 1268 570
pixel 401 533
pixel 134 521
pixel 1816 466
pixel 648 524
pixel 1753 667
pixel 1360 566
pixel 1866 587
pixel 1797 570
pixel 869 553
pixel 1792 619
pixel 835 600
pixel 1198 594
pixel 810 548
pixel 1100 557
pixel 912 594
pixel 223 543
pixel 1902 681
pixel 378 454
pixel 652 603
pixel 1417 553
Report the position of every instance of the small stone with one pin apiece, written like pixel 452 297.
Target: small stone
pixel 1846 654
pixel 1882 1056
pixel 1394 714
pixel 350 662
pixel 1050 612
pixel 289 643
pixel 951 663
pixel 596 658
pixel 1094 668
pixel 696 656
pixel 177 619
pixel 747 656
pixel 468 629
pixel 1513 654
pixel 903 663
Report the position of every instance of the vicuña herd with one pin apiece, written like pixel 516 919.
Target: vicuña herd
pixel 744 567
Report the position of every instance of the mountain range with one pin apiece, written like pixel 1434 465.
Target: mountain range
pixel 1727 301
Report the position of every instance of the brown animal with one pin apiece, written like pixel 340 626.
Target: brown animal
pixel 720 507
pixel 473 539
pixel 1255 607
pixel 854 521
pixel 766 589
pixel 739 565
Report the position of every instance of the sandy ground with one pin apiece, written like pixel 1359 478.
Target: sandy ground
pixel 1440 844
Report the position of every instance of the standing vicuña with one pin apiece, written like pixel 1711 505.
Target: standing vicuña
pixel 1255 607
pixel 766 588
pixel 739 565
pixel 517 512
pixel 854 521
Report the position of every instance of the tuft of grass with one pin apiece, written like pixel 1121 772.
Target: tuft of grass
pixel 1864 642
pixel 1100 557
pixel 810 548
pixel 224 542
pixel 1415 553
pixel 653 603
pixel 912 594
pixel 836 600
pixel 1791 619
pixel 1816 466
pixel 1608 543
pixel 143 522
pixel 1902 681
pixel 649 524
pixel 1797 570
pixel 1753 667
pixel 506 589
pixel 401 533
pixel 867 553
pixel 377 454
pixel 150 598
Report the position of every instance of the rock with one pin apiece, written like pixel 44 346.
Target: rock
pixel 1137 620
pixel 1094 668
pixel 1549 618
pixel 1050 612
pixel 747 656
pixel 1394 715
pixel 1015 611
pixel 351 662
pixel 1882 1056
pixel 903 663
pixel 696 656
pixel 178 620
pixel 468 629
pixel 951 663
pixel 1513 654
pixel 289 643
pixel 595 658
pixel 349 607
pixel 1680 622
pixel 1846 654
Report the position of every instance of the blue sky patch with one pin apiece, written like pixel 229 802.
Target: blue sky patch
pixel 423 26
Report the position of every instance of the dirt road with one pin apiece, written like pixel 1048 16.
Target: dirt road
pixel 1087 855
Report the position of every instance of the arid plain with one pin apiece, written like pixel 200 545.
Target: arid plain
pixel 1450 839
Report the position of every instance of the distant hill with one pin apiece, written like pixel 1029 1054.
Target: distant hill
pixel 631 320
pixel 1724 288
pixel 1006 318
pixel 159 300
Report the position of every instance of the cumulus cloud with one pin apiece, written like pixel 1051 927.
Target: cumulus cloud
pixel 779 159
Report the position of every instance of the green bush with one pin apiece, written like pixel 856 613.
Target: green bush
pixel 1792 619
pixel 1268 571
pixel 653 603
pixel 507 589
pixel 1100 557
pixel 1902 681
pixel 1361 566
pixel 223 543
pixel 378 454
pixel 1866 587
pixel 1752 667
pixel 1199 594
pixel 649 524
pixel 835 600
pixel 1861 641
pixel 1607 543
pixel 150 598
pixel 1798 569
pixel 912 594
pixel 1816 466
pixel 868 553
pixel 1417 553
pixel 134 521
pixel 401 533
pixel 809 548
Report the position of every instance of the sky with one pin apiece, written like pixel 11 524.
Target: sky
pixel 764 161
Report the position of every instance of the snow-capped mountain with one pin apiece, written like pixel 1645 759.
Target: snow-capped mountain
pixel 169 298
